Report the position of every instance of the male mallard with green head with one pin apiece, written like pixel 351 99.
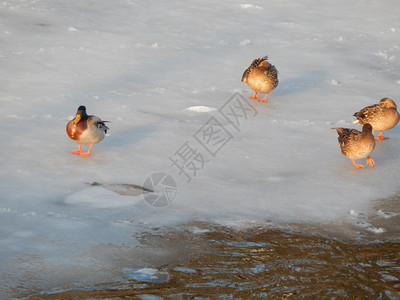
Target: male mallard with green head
pixel 86 129
pixel 261 77
pixel 382 116
pixel 356 145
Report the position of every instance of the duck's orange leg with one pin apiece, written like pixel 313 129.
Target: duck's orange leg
pixel 380 137
pixel 263 99
pixel 254 96
pixel 87 153
pixel 370 161
pixel 357 165
pixel 77 151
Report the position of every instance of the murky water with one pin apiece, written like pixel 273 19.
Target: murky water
pixel 357 258
pixel 217 262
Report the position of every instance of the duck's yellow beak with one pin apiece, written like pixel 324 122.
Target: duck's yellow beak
pixel 77 119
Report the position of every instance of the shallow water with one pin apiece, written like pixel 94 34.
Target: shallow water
pixel 219 262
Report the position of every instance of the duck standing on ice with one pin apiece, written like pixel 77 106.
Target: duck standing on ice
pixel 86 130
pixel 381 116
pixel 261 77
pixel 356 145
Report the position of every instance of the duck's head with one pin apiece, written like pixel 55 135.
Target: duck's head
pixel 80 114
pixel 388 103
pixel 367 128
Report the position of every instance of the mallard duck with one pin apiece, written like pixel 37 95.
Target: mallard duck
pixel 261 77
pixel 382 116
pixel 87 130
pixel 356 145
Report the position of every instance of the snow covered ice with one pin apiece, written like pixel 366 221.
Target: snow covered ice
pixel 159 71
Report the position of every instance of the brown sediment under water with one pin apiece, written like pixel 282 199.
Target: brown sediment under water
pixel 220 262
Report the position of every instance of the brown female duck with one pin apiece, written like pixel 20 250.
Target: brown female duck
pixel 382 116
pixel 261 77
pixel 356 145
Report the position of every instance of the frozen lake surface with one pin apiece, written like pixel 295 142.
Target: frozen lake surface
pixel 167 77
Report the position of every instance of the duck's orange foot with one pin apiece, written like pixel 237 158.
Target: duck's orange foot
pixel 87 153
pixel 254 96
pixel 370 161
pixel 262 99
pixel 357 165
pixel 380 138
pixel 77 151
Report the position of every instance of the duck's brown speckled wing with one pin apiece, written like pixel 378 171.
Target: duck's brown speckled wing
pixel 272 74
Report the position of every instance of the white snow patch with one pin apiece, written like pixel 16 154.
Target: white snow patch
pixel 334 82
pixel 197 230
pixel 200 109
pixel 29 214
pixel 386 215
pixel 253 6
pixel 340 39
pixel 245 42
pixel 353 213
pixel 146 275
pixel 376 230
pixel 385 55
